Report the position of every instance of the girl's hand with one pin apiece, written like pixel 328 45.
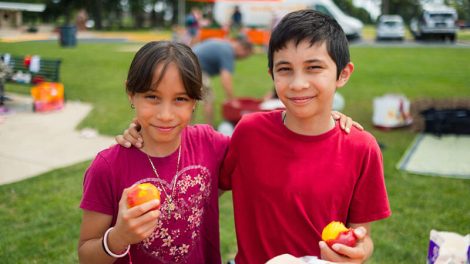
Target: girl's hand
pixel 345 254
pixel 131 136
pixel 134 224
pixel 345 121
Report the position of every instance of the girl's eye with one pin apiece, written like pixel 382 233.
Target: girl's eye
pixel 182 99
pixel 151 97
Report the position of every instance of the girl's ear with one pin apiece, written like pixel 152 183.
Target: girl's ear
pixel 130 96
pixel 345 75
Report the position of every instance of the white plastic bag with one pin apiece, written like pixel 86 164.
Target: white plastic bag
pixel 391 111
pixel 448 248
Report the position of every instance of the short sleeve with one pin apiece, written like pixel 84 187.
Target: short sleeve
pixel 370 200
pixel 220 143
pixel 97 188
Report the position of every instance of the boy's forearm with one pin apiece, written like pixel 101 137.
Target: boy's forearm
pixel 369 247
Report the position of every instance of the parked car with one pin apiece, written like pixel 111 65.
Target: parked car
pixel 390 27
pixel 435 22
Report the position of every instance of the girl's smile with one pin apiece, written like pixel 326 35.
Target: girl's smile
pixel 164 111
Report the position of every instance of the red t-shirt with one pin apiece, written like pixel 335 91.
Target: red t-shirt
pixel 287 187
pixel 190 234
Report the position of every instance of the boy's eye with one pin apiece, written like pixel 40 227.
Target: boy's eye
pixel 314 67
pixel 283 69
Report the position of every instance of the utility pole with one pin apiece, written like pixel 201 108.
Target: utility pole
pixel 181 12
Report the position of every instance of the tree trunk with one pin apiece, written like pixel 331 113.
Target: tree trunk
pixel 97 14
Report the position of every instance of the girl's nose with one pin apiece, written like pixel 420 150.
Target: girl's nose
pixel 165 112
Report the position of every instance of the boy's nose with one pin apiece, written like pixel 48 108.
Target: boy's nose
pixel 299 82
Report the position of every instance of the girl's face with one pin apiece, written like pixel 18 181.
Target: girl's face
pixel 164 111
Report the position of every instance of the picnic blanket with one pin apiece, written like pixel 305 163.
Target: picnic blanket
pixel 446 156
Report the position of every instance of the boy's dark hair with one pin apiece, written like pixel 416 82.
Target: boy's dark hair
pixel 312 26
pixel 152 54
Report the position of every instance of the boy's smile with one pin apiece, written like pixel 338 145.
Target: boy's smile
pixel 305 81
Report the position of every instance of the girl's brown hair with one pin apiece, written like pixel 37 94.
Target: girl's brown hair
pixel 152 54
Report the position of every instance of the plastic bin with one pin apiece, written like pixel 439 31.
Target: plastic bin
pixel 68 36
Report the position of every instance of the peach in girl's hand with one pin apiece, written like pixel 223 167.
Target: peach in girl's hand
pixel 337 232
pixel 142 193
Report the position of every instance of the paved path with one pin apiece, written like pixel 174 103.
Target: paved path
pixel 34 143
pixel 47 33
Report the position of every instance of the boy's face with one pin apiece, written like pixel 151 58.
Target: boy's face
pixel 305 78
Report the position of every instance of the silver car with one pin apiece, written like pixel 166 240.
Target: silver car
pixel 390 27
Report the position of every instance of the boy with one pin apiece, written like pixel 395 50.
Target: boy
pixel 294 171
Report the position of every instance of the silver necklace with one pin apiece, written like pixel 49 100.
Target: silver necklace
pixel 171 205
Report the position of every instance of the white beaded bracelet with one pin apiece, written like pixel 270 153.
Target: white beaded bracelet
pixel 108 251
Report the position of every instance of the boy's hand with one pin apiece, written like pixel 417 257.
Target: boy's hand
pixel 134 224
pixel 131 136
pixel 345 121
pixel 343 253
pixel 285 258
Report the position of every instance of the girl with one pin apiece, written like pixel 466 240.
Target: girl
pixel 163 84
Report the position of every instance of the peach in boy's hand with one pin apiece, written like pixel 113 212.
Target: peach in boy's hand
pixel 337 232
pixel 142 193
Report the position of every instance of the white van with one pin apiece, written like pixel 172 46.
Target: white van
pixel 435 21
pixel 263 13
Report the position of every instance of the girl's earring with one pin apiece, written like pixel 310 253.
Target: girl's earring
pixel 132 106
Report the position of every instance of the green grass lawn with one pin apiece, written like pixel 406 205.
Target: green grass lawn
pixel 40 218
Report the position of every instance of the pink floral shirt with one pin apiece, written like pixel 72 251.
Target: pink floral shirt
pixel 188 231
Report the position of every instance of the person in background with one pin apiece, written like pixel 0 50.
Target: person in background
pixel 193 24
pixel 217 58
pixel 236 21
pixel 5 73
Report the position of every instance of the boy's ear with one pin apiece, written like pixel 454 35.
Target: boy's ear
pixel 270 74
pixel 345 74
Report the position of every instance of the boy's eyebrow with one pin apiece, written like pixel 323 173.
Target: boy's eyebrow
pixel 313 61
pixel 307 61
pixel 281 62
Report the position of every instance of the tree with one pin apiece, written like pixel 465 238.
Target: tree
pixel 137 12
pixel 406 8
pixel 348 7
